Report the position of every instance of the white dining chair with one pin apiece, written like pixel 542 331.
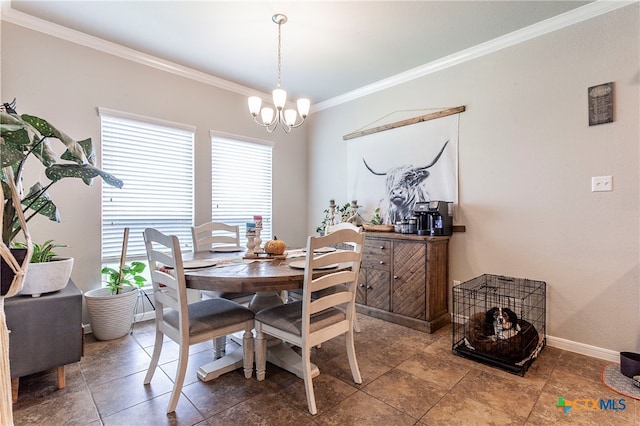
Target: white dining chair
pixel 314 320
pixel 297 294
pixel 218 236
pixel 212 235
pixel 188 324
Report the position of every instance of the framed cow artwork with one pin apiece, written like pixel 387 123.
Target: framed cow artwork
pixel 396 168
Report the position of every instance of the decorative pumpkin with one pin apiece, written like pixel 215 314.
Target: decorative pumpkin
pixel 275 246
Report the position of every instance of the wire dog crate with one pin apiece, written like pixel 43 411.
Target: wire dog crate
pixel 500 321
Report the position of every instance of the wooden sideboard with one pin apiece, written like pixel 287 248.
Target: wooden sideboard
pixel 404 279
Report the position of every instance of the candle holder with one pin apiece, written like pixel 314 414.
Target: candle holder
pixel 251 240
pixel 258 241
pixel 332 214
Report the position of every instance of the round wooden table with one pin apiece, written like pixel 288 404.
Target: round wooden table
pixel 267 278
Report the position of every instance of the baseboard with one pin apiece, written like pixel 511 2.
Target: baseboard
pixel 583 349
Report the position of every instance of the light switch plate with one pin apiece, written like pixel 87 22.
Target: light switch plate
pixel 601 183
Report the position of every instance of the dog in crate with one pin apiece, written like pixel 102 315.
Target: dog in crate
pixel 504 322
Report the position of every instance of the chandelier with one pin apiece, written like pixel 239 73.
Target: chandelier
pixel 287 118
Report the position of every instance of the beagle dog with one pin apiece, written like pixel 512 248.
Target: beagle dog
pixel 504 322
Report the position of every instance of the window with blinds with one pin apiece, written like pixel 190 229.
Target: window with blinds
pixel 154 158
pixel 241 183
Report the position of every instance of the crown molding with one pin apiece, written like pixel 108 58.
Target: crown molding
pixel 591 10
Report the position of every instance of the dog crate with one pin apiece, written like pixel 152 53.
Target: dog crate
pixel 500 321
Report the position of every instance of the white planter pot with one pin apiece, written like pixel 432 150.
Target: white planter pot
pixel 110 315
pixel 47 276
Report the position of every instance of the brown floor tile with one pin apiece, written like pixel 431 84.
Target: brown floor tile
pixel 124 392
pixel 153 412
pixel 409 378
pixel 505 394
pixel 328 390
pixel 263 409
pixel 462 410
pixel 405 392
pixel 101 370
pixel 363 409
pixel 212 397
pixel 443 369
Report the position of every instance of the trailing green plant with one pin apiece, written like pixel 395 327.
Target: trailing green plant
pixel 41 252
pixel 376 219
pixel 129 275
pixel 324 223
pixel 24 136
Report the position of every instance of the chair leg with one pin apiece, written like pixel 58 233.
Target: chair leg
pixel 247 351
pixel 261 355
pixel 351 354
pixel 308 380
pixel 356 324
pixel 157 348
pixel 183 359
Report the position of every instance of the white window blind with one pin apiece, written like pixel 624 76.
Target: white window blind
pixel 241 183
pixel 155 161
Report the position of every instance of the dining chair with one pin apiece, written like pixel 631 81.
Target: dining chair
pixel 188 324
pixel 213 235
pixel 314 320
pixel 218 236
pixel 297 294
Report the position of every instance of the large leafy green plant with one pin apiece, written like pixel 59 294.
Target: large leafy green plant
pixel 24 136
pixel 128 275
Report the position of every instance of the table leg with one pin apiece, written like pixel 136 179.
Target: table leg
pixel 220 366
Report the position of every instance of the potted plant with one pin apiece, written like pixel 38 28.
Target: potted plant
pixel 111 308
pixel 46 272
pixel 27 137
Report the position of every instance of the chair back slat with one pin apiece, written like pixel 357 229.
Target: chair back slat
pixel 335 299
pixel 330 280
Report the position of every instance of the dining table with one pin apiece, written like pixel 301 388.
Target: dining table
pixel 265 276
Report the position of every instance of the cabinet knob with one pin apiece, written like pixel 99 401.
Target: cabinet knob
pixel 381 247
pixel 382 262
pixel 369 287
pixel 361 286
pixel 395 277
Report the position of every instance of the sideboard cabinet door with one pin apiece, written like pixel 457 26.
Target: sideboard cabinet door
pixel 409 274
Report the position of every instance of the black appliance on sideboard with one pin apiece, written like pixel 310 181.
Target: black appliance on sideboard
pixel 434 218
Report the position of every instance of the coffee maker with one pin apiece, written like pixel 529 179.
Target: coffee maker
pixel 434 218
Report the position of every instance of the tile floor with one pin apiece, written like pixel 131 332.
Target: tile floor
pixel 409 378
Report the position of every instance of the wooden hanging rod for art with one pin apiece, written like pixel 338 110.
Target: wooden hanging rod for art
pixel 406 122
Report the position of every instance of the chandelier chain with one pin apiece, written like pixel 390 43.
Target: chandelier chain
pixel 279 52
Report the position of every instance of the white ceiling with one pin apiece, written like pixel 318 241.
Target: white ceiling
pixel 328 48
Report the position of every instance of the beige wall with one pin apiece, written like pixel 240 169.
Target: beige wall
pixel 526 158
pixel 65 83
